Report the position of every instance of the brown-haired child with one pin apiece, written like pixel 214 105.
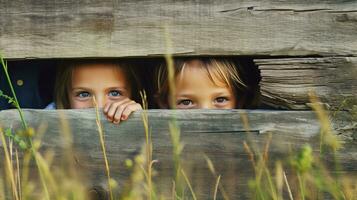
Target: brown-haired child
pixel 203 83
pixel 113 84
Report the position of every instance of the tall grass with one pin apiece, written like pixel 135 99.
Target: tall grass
pixel 24 142
pixel 9 168
pixel 55 183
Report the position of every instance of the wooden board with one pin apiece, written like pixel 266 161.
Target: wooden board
pixel 219 134
pixel 67 29
pixel 286 83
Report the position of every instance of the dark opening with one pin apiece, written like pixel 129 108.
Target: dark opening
pixel 34 80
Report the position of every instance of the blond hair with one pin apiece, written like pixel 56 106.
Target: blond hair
pixel 222 68
pixel 64 79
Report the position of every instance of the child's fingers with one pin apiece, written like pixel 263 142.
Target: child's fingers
pixel 106 108
pixel 118 114
pixel 129 109
pixel 112 108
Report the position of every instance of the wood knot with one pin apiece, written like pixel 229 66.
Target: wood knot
pixel 354 136
pixel 98 193
pixel 346 18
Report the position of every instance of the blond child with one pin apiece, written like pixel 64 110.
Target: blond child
pixel 203 83
pixel 113 84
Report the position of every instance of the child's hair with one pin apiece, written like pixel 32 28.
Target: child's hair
pixel 64 79
pixel 223 68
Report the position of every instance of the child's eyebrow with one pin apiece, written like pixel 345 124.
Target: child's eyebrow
pixel 186 94
pixel 120 88
pixel 80 88
pixel 221 93
pixel 89 89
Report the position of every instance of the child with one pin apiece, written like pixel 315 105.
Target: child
pixel 209 83
pixel 113 84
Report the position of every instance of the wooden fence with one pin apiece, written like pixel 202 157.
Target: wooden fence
pixel 217 134
pixel 298 45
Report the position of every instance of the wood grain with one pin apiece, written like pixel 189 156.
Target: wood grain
pixel 68 29
pixel 218 134
pixel 286 83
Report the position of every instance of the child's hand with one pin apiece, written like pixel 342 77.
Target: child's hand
pixel 120 110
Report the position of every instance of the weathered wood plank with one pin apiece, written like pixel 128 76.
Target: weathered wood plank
pixel 286 82
pixel 63 29
pixel 218 134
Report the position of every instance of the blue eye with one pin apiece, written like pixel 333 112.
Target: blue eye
pixel 221 99
pixel 114 93
pixel 83 94
pixel 185 102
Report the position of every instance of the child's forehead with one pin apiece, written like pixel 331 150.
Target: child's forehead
pixel 194 63
pixel 97 72
pixel 94 66
pixel 98 69
pixel 196 70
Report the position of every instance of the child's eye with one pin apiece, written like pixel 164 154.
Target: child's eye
pixel 221 99
pixel 114 93
pixel 185 102
pixel 83 94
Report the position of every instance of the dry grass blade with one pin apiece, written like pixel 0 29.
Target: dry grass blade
pixel 148 145
pixel 2 188
pixel 25 174
pixel 267 172
pixel 271 184
pixel 189 185
pixel 47 176
pixel 250 154
pixel 102 143
pixel 288 187
pixel 266 149
pixel 213 171
pixel 216 187
pixel 327 136
pixel 18 174
pixel 279 179
pixel 245 121
pixel 170 69
pixel 177 147
pixel 210 165
pixel 8 166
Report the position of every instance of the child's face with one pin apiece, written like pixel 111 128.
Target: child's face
pixel 107 83
pixel 195 90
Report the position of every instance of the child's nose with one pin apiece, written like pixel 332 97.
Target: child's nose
pixel 101 101
pixel 206 105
